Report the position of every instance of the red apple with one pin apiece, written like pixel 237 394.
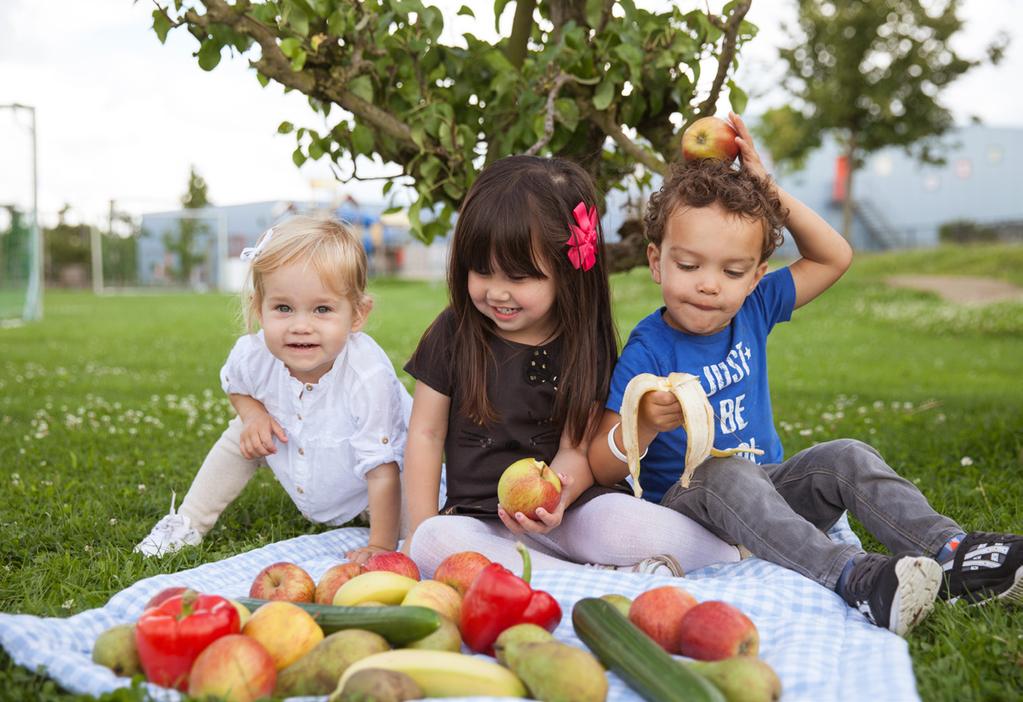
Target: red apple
pixel 394 561
pixel 335 577
pixel 283 581
pixel 715 630
pixel 709 137
pixel 164 594
pixel 526 486
pixel 659 612
pixel 459 569
pixel 235 668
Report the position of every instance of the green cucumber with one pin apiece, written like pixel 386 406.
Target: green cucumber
pixel 635 657
pixel 399 625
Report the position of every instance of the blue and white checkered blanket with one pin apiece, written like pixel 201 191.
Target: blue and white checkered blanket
pixel 821 649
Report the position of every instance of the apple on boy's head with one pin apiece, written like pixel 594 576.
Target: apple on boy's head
pixel 527 485
pixel 709 137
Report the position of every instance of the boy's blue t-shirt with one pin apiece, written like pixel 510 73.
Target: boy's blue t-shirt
pixel 732 367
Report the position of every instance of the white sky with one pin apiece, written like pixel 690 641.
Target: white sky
pixel 122 117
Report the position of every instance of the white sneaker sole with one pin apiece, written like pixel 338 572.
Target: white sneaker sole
pixel 1014 595
pixel 919 580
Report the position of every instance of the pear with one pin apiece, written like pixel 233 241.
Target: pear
pixel 741 678
pixel 557 672
pixel 621 603
pixel 115 649
pixel 511 637
pixel 317 672
pixel 378 685
pixel 445 638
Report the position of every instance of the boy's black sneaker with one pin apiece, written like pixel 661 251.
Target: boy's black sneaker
pixel 893 592
pixel 986 566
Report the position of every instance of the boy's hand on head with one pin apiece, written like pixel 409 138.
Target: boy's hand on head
pixel 660 411
pixel 257 440
pixel 747 152
pixel 519 523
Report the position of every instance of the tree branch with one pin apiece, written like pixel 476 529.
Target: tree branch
pixel 731 31
pixel 637 152
pixel 522 25
pixel 548 123
pixel 329 85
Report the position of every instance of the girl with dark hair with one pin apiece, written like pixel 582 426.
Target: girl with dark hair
pixel 518 366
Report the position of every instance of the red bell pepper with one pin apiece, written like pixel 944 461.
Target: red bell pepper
pixel 499 599
pixel 170 636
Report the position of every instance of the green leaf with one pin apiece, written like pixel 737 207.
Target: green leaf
pixel 737 97
pixel 285 128
pixel 633 57
pixel 362 139
pixel 466 10
pixel 594 11
pixel 298 60
pixel 263 80
pixel 567 111
pixel 499 6
pixel 209 55
pixel 298 157
pixel 161 24
pixel 604 94
pixel 315 150
pixel 362 87
pixel 290 46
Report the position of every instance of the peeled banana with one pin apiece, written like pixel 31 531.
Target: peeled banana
pixel 381 586
pixel 697 420
pixel 444 673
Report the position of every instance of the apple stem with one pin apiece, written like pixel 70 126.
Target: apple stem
pixel 527 562
pixel 188 599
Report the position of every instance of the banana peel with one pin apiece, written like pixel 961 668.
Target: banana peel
pixel 697 420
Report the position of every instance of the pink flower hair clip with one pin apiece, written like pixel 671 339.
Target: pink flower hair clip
pixel 582 245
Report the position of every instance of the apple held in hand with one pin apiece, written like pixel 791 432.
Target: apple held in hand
pixel 283 581
pixel 526 486
pixel 715 630
pixel 459 569
pixel 394 561
pixel 709 137
pixel 235 668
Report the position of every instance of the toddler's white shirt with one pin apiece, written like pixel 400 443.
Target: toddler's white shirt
pixel 340 428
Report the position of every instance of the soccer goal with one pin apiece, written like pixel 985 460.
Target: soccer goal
pixel 21 244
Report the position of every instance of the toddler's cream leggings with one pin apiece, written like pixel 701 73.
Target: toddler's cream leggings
pixel 223 475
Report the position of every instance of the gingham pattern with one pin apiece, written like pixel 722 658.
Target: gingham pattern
pixel 821 649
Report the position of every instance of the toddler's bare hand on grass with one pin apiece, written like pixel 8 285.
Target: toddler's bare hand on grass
pixel 257 440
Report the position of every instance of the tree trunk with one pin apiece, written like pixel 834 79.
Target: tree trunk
pixel 848 204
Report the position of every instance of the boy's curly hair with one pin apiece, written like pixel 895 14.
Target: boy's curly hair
pixel 707 181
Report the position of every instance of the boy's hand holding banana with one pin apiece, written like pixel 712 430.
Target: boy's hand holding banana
pixel 697 420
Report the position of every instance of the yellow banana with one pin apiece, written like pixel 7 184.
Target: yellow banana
pixel 381 586
pixel 444 673
pixel 697 420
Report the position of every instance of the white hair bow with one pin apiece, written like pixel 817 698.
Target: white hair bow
pixel 250 252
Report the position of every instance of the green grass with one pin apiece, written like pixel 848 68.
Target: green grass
pixel 111 402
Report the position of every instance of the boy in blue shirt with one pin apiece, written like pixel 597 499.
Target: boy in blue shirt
pixel 712 229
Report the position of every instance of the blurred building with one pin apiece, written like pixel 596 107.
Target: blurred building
pixel 902 203
pixel 223 231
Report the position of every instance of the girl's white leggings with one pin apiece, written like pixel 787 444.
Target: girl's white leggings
pixel 613 529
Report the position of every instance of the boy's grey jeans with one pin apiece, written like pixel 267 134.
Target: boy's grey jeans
pixel 780 511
